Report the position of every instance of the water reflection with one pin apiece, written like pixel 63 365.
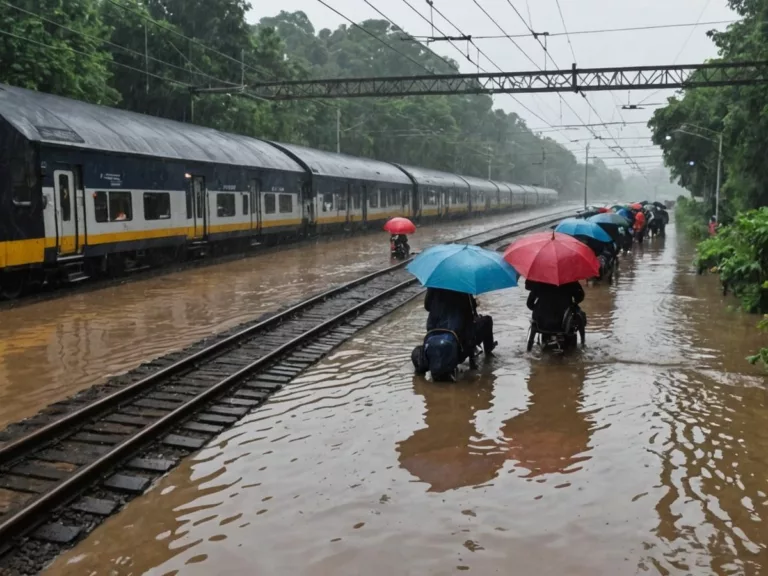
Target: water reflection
pixel 647 452
pixel 449 452
pixel 552 435
pixel 52 349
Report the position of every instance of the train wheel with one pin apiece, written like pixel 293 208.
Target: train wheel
pixel 12 284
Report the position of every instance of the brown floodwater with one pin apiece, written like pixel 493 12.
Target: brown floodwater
pixel 647 452
pixel 53 349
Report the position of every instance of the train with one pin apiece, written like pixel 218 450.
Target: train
pixel 88 190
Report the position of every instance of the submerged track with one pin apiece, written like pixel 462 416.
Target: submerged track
pixel 69 471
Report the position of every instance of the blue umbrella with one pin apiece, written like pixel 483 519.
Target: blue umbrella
pixel 576 227
pixel 624 213
pixel 462 268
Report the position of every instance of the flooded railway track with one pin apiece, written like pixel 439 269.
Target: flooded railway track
pixel 68 472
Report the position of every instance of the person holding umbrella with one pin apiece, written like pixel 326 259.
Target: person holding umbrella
pixel 597 239
pixel 453 275
pixel 617 227
pixel 398 241
pixel 553 264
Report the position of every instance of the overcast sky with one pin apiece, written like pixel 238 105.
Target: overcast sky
pixel 654 47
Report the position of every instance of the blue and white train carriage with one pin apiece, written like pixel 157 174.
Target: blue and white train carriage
pixel 348 192
pixel 86 190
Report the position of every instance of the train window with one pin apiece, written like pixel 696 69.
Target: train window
pixel 22 189
pixel 286 203
pixel 373 198
pixel 327 202
pixel 65 198
pixel 245 204
pixel 269 203
pixel 396 198
pixel 225 205
pixel 190 205
pixel 356 199
pixel 341 202
pixel 101 212
pixel 120 206
pixel 157 205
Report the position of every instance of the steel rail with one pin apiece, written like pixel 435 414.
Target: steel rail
pixel 15 449
pixel 32 514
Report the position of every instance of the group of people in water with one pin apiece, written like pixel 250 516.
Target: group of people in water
pixel 457 332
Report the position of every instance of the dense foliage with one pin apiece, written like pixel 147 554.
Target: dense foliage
pixel 738 112
pixel 689 130
pixel 740 252
pixel 95 50
pixel 691 216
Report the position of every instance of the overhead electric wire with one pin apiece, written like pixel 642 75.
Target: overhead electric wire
pixel 565 28
pixel 601 31
pixel 682 49
pixel 479 51
pixel 539 67
pixel 372 35
pixel 492 19
pixel 427 48
pixel 534 34
pixel 107 60
pixel 586 99
pixel 192 40
pixel 517 100
pixel 114 45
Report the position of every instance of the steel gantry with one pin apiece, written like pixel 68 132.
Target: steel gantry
pixel 541 81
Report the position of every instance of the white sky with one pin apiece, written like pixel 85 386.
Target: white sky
pixel 655 47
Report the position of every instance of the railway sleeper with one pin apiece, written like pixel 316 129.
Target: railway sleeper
pixel 135 475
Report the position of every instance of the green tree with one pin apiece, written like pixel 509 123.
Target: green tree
pixel 67 59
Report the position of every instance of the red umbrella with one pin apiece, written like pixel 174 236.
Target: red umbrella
pixel 636 206
pixel 603 210
pixel 400 226
pixel 552 258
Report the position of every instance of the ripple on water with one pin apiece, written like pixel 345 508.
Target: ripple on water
pixel 68 344
pixel 641 453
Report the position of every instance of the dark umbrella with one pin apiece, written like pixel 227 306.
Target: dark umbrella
pixel 614 224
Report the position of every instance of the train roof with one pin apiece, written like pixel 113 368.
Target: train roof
pixel 60 121
pixel 480 184
pixel 425 176
pixel 541 190
pixel 331 164
pixel 514 188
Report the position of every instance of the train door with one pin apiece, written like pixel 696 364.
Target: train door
pixel 255 201
pixel 200 212
pixel 65 206
pixel 349 193
pixel 364 201
pixel 309 203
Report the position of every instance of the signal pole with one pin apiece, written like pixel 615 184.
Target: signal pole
pixel 586 176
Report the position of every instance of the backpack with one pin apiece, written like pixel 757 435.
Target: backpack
pixel 441 352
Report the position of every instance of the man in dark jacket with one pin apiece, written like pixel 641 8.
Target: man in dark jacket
pixel 449 310
pixel 549 302
pixel 457 312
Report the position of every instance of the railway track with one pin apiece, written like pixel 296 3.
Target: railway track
pixel 70 471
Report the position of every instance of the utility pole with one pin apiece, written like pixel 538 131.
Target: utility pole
pixel 146 59
pixel 490 160
pixel 586 177
pixel 544 160
pixel 338 130
pixel 242 67
pixel 717 190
